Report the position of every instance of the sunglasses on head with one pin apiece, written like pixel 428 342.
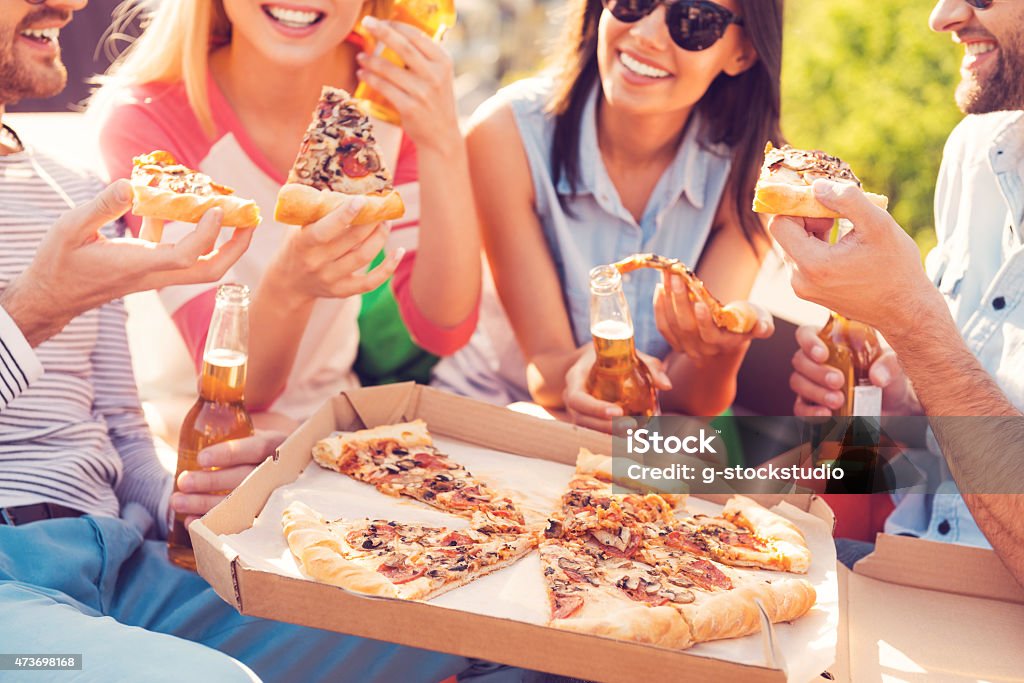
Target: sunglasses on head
pixel 694 25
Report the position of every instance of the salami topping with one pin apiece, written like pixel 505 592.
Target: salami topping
pixel 400 574
pixel 565 606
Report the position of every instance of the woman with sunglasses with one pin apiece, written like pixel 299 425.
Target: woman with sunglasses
pixel 228 87
pixel 648 137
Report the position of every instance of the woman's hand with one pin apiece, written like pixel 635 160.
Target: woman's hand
pixel 689 329
pixel 199 490
pixel 423 92
pixel 325 259
pixel 593 413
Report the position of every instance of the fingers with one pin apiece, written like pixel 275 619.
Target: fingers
pixel 657 368
pixel 359 255
pixel 408 42
pixel 251 450
pixel 353 285
pixel 792 236
pixel 109 205
pixel 885 369
pixel 802 408
pixel 152 229
pixel 194 504
pixel 587 411
pixel 849 201
pixel 193 246
pixel 213 481
pixel 811 344
pixel 335 224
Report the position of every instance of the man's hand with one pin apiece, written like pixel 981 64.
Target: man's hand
pixel 227 465
pixel 593 413
pixel 819 386
pixel 873 274
pixel 77 269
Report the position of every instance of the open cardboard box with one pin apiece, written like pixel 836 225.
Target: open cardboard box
pixel 266 594
pixel 917 610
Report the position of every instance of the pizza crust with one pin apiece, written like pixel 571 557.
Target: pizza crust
pixel 663 626
pixel 792 554
pixel 733 613
pixel 783 199
pixel 299 204
pixel 152 202
pixel 328 452
pixel 319 554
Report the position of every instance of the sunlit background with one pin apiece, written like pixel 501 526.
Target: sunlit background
pixel 863 79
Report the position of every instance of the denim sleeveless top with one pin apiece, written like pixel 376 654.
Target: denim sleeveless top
pixel 598 229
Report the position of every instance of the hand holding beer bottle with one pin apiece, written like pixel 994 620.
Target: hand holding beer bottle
pixel 219 413
pixel 402 61
pixel 612 379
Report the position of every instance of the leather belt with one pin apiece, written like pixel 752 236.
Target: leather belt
pixel 26 514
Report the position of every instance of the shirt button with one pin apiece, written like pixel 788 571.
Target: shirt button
pixel 999 303
pixel 944 527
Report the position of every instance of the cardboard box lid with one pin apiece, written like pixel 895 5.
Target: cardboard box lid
pixel 946 567
pixel 898 633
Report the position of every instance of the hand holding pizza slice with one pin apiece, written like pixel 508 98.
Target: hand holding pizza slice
pixel 168 191
pixel 338 158
pixel 784 187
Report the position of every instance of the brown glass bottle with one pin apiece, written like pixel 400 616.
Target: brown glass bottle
pixel 219 413
pixel 618 375
pixel 852 348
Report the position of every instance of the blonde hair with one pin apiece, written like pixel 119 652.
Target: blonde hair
pixel 175 47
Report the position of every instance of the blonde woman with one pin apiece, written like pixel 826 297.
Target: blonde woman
pixel 227 86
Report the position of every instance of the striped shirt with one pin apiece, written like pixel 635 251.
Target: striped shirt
pixel 77 435
pixel 19 365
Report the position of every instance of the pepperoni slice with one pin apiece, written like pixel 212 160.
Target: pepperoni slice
pixel 743 540
pixel 630 549
pixel 430 461
pixel 707 575
pixel 464 499
pixel 456 538
pixel 354 157
pixel 400 575
pixel 640 595
pixel 683 541
pixel 566 606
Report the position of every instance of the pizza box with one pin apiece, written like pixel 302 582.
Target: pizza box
pixel 260 591
pixel 916 610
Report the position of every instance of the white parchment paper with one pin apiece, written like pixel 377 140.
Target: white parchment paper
pixel 806 647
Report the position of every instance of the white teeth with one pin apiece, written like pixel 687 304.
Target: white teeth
pixel 974 49
pixel 50 34
pixel 640 68
pixel 292 17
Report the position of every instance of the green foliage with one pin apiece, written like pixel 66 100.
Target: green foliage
pixel 869 82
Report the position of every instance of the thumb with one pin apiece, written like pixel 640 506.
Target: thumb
pixel 107 206
pixel 850 202
pixel 884 369
pixel 801 246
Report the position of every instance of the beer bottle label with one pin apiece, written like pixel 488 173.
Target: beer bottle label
pixel 867 401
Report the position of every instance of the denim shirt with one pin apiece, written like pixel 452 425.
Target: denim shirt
pixel 596 229
pixel 978 266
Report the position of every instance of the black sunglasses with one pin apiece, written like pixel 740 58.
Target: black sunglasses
pixel 694 25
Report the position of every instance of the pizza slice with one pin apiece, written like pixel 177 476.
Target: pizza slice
pixel 745 535
pixel 167 190
pixel 400 460
pixel 396 559
pixel 725 599
pixel 784 186
pixel 636 603
pixel 338 158
pixel 739 316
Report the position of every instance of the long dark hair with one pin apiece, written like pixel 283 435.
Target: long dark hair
pixel 740 111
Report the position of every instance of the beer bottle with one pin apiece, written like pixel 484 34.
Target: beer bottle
pixel 433 17
pixel 852 348
pixel 219 414
pixel 618 375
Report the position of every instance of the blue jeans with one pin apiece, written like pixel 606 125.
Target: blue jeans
pixel 93 586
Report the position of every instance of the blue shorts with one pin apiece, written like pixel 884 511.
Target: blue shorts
pixel 93 586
